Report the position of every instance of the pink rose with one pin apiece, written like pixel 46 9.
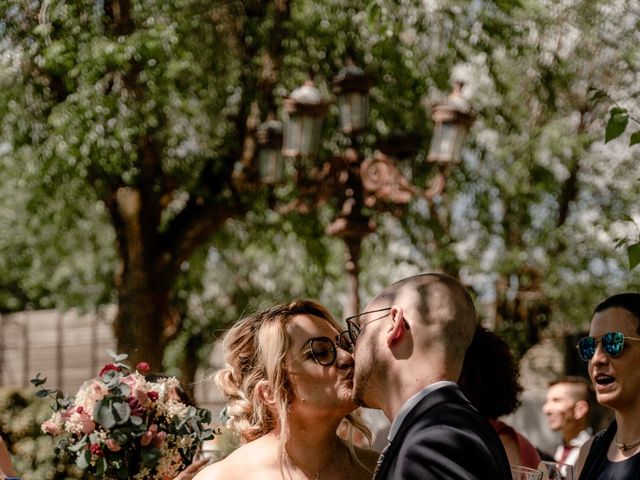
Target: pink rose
pixel 138 386
pixel 143 368
pixel 51 427
pixel 77 420
pixel 112 445
pixel 90 393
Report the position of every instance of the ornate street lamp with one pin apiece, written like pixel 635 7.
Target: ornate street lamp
pixel 306 109
pixel 351 86
pixel 453 118
pixel 270 160
pixel 374 182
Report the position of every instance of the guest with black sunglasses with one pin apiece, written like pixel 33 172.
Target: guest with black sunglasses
pixel 613 352
pixel 288 382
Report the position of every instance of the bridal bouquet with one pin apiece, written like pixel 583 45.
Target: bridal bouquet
pixel 121 426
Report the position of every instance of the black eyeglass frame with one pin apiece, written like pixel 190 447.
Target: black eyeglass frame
pixel 612 345
pixel 341 341
pixel 354 330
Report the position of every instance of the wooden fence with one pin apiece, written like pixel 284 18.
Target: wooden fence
pixel 69 348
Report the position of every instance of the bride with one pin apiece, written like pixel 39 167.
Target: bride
pixel 288 383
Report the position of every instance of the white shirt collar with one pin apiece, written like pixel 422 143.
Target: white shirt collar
pixel 412 402
pixel 580 439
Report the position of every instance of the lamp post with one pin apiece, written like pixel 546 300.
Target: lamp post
pixel 363 183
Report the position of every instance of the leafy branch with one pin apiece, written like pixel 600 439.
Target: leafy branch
pixel 618 118
pixel 618 121
pixel 61 401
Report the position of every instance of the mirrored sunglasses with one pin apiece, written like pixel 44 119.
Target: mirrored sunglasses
pixel 612 345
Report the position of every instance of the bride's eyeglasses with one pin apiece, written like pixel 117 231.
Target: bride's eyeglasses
pixel 324 350
pixel 612 344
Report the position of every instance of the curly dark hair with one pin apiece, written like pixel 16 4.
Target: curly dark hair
pixel 489 376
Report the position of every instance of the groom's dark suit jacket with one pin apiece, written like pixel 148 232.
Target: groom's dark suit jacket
pixel 444 437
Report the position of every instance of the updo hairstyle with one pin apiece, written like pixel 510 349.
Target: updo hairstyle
pixel 255 351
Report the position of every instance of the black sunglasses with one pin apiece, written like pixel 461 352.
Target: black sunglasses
pixel 354 330
pixel 612 344
pixel 324 350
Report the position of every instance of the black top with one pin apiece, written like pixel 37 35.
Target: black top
pixel 598 467
pixel 444 438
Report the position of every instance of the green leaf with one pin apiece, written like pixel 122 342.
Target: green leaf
pixel 634 255
pixel 119 436
pixel 42 393
pixel 617 124
pixel 618 111
pixel 103 414
pixel 111 379
pixel 37 381
pixel 76 447
pixel 635 138
pixel 122 473
pixel 150 457
pixel 101 466
pixel 596 95
pixel 117 357
pixel 111 353
pixel 136 420
pixel 83 460
pixel 121 411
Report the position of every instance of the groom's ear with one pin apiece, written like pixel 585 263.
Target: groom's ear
pixel 398 326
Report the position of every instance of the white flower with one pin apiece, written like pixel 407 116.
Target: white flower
pixel 173 409
pixel 90 392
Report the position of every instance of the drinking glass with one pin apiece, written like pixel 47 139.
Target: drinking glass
pixel 518 472
pixel 556 471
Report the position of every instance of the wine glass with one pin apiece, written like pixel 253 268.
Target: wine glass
pixel 518 472
pixel 556 471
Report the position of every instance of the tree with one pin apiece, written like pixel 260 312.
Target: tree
pixel 151 109
pixel 146 107
pixel 532 218
pixel 146 113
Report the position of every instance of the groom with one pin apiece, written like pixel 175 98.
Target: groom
pixel 411 342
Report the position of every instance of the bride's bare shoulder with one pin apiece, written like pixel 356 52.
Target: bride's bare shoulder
pixel 253 460
pixel 224 469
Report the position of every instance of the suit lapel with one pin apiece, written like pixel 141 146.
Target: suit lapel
pixel 449 393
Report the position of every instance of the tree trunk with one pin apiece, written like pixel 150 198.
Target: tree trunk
pixel 144 316
pixel 189 364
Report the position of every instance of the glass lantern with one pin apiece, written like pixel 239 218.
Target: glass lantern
pixel 453 118
pixel 305 110
pixel 352 85
pixel 270 160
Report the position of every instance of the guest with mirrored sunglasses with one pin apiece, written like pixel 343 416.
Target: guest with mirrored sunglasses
pixel 288 382
pixel 613 352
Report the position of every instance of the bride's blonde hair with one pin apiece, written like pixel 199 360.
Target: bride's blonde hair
pixel 255 380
